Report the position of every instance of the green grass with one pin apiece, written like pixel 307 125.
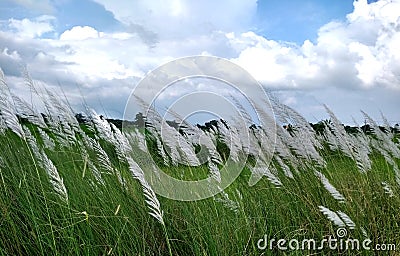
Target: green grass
pixel 113 219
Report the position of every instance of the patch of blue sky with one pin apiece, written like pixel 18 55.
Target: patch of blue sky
pixel 68 14
pixel 86 13
pixel 297 21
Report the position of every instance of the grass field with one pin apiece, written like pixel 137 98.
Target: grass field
pixel 74 188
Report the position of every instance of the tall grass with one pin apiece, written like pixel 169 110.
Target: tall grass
pixel 77 188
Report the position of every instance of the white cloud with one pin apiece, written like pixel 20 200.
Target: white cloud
pixel 386 11
pixel 273 63
pixel 32 29
pixel 359 53
pixel 362 51
pixel 197 85
pixel 12 55
pixel 341 56
pixel 181 18
pixel 78 33
pixel 368 67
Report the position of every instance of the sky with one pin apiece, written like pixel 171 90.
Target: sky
pixel 307 53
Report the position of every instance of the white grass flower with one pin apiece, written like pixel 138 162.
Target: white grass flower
pixel 385 143
pixel 388 190
pixel 226 202
pixel 54 177
pixel 230 136
pixel 364 232
pixel 397 174
pixel 329 187
pixel 347 220
pixel 121 143
pixel 301 139
pixel 286 169
pixel 214 171
pixel 103 159
pixel 96 172
pixel 48 142
pixel 150 196
pixel 8 113
pixel 136 141
pixel 101 125
pixel 261 170
pixel 348 144
pixel 27 111
pixel 338 218
pixel 332 216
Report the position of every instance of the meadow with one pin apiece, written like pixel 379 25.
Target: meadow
pixel 74 186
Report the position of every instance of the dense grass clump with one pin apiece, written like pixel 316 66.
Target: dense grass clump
pixel 74 186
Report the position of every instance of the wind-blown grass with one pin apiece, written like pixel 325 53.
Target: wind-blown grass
pixel 77 188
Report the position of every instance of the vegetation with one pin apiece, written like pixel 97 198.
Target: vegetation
pixel 73 185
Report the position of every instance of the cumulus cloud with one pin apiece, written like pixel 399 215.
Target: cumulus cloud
pixel 359 53
pixel 78 33
pixel 32 28
pixel 371 34
pixel 273 63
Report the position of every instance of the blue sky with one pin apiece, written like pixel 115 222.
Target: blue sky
pixel 293 21
pixel 68 14
pixel 296 21
pixel 308 53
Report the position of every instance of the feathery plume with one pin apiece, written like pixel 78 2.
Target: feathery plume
pixel 226 202
pixel 261 170
pixel 346 143
pixel 24 110
pixel 8 113
pixel 329 187
pixel 338 218
pixel 347 220
pixel 48 142
pixel 388 190
pixel 136 138
pixel 54 177
pixel 150 196
pixel 103 160
pixel 214 171
pixel 101 125
pixel 332 216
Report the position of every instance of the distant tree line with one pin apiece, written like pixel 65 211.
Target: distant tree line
pixel 319 127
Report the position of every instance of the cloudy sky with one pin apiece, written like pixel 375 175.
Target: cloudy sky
pixel 307 53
